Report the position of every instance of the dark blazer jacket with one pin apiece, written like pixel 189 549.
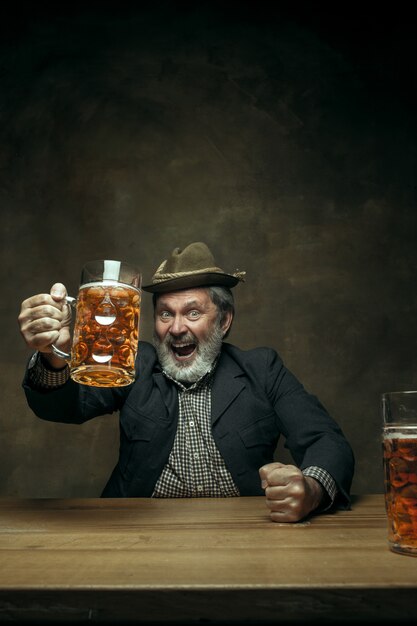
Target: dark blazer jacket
pixel 255 399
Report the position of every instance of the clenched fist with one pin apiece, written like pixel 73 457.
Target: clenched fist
pixel 290 495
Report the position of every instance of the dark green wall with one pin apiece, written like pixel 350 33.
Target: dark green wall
pixel 284 140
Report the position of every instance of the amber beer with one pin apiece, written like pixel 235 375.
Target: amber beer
pixel 106 334
pixel 400 481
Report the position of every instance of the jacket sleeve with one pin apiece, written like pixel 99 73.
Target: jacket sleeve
pixel 71 403
pixel 312 436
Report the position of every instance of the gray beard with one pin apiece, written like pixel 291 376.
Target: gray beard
pixel 207 352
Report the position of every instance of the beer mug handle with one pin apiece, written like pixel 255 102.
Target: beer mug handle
pixel 65 355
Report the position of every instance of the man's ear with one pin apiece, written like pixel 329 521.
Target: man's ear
pixel 226 321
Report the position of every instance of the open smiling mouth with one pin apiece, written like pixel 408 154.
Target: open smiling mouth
pixel 183 351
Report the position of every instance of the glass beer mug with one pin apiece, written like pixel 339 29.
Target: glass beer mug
pixel 399 441
pixel 106 329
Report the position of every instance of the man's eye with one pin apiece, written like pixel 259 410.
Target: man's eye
pixel 164 315
pixel 194 314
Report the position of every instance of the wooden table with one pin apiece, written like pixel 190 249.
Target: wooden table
pixel 196 560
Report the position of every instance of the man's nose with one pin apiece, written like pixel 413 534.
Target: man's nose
pixel 178 326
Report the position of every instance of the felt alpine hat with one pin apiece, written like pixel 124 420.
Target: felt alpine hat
pixel 193 266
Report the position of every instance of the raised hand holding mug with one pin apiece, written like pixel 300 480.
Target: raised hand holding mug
pixel 106 329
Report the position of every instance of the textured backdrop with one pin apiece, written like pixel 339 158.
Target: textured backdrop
pixel 284 140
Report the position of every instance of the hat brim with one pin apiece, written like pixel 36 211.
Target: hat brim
pixel 192 281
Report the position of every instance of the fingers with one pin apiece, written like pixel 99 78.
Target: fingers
pixel 40 325
pixel 281 481
pixel 42 317
pixel 41 341
pixel 273 474
pixel 40 314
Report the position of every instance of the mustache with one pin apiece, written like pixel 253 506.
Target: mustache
pixel 187 338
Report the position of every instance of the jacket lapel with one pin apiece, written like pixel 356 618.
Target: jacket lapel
pixel 168 393
pixel 228 384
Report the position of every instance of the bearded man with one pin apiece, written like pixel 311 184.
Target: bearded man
pixel 203 417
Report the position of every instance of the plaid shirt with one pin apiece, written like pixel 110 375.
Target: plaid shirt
pixel 195 467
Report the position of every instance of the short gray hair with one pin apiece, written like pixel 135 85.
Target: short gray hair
pixel 222 298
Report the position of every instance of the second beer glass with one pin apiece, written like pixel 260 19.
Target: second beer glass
pixel 399 413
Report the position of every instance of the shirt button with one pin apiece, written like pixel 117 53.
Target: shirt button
pixel 199 487
pixel 191 423
pixel 196 455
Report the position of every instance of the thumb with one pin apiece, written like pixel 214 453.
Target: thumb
pixel 58 291
pixel 265 471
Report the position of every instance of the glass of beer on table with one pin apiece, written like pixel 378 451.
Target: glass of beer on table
pixel 106 328
pixel 399 414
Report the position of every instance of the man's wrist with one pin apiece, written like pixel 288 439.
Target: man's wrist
pixel 319 496
pixel 43 375
pixel 327 483
pixel 52 362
